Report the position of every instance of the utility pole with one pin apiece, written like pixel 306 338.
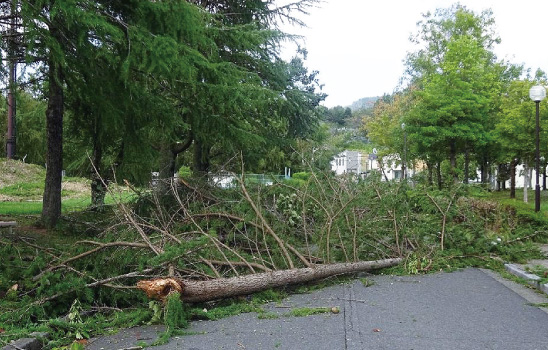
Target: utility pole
pixel 12 58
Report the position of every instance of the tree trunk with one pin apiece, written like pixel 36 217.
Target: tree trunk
pixel 168 159
pixel 438 173
pixel 499 187
pixel 51 210
pixel 201 158
pixel 513 165
pixel 167 169
pixel 98 190
pixel 200 291
pixel 466 165
pixel 526 182
pixel 381 166
pixel 544 178
pixel 430 166
pixel 490 175
pixel 453 161
pixel 484 170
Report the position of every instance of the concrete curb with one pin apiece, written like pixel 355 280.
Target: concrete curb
pixel 531 279
pixel 34 343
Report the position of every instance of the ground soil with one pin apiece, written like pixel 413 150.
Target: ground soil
pixel 13 172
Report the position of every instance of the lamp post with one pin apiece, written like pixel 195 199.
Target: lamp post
pixel 404 176
pixel 537 93
pixel 543 165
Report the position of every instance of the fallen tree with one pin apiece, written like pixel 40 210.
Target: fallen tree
pixel 199 291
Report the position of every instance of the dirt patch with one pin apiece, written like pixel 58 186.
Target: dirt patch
pixel 76 189
pixel 14 171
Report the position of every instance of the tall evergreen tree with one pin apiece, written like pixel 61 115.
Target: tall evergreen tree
pixel 59 33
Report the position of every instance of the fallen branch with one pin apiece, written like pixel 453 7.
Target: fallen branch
pixel 443 216
pixel 100 245
pixel 200 291
pixel 265 224
pixel 237 263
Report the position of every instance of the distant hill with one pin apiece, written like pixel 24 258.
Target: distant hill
pixel 363 103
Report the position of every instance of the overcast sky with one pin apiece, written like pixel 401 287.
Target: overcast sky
pixel 358 46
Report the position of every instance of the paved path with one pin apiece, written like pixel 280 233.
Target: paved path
pixel 468 309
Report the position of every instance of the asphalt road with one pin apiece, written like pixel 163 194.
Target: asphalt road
pixel 469 309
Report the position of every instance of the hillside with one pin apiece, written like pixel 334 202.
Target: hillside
pixel 13 172
pixel 363 103
pixel 25 182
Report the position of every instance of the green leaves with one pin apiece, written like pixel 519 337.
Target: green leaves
pixel 457 82
pixel 516 124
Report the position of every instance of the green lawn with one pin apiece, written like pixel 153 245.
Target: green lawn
pixel 67 205
pixel 504 196
pixel 522 208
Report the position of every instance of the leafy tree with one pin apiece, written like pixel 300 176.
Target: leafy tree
pixel 384 127
pixel 338 115
pixel 457 76
pixel 515 130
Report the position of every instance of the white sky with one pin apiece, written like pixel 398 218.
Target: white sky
pixel 358 46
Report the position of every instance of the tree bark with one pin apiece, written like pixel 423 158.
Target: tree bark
pixel 453 161
pixel 544 178
pixel 430 166
pixel 168 159
pixel 201 162
pixel 484 170
pixel 98 190
pixel 167 169
pixel 466 165
pixel 200 291
pixel 526 182
pixel 499 176
pixel 51 210
pixel 513 165
pixel 438 174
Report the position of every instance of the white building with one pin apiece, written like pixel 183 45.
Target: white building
pixel 359 163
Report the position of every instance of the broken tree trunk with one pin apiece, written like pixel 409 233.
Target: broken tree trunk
pixel 200 291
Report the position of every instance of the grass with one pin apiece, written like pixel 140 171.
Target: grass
pixel 22 188
pixel 308 311
pixel 67 205
pixel 504 198
pixel 30 189
pixel 540 271
pixel 525 212
pixel 34 188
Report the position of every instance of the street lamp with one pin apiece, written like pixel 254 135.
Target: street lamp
pixel 543 163
pixel 404 176
pixel 537 93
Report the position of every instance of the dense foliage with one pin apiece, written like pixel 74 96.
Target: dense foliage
pixel 141 86
pixel 464 110
pixel 207 232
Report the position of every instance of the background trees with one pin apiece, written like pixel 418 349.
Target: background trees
pixel 454 98
pixel 140 82
pixel 457 78
pixel 515 129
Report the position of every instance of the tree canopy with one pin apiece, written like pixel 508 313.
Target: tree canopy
pixel 453 98
pixel 135 84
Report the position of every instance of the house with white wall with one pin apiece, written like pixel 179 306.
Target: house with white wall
pixel 361 163
pixel 349 162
